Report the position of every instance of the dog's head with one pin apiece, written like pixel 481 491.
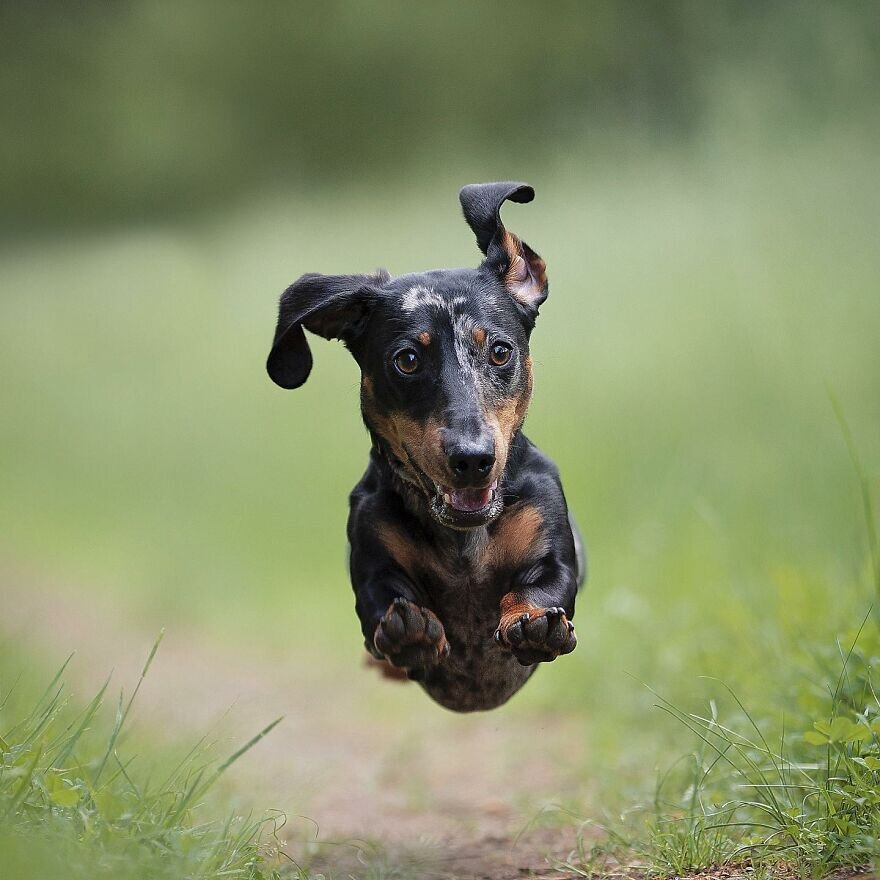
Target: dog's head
pixel 444 357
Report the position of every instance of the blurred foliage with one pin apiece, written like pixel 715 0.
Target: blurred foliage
pixel 700 309
pixel 114 110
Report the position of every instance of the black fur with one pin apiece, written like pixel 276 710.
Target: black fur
pixel 464 561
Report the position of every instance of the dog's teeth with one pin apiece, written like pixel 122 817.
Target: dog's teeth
pixel 447 498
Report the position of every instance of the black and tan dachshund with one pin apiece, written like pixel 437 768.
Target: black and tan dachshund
pixel 464 560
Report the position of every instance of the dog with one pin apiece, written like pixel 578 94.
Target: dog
pixel 464 560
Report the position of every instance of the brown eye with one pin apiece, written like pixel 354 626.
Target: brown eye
pixel 499 354
pixel 407 361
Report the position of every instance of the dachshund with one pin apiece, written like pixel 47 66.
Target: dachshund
pixel 464 560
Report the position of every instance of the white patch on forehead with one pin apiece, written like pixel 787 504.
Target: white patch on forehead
pixel 463 341
pixel 463 325
pixel 422 296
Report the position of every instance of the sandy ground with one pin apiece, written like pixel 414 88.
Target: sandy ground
pixel 387 780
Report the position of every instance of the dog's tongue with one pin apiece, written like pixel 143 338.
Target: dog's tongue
pixel 469 500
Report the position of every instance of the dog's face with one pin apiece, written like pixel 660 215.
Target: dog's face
pixel 446 380
pixel 444 357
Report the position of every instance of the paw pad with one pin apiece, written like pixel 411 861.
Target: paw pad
pixel 537 635
pixel 411 637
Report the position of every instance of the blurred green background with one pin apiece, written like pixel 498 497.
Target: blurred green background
pixel 708 198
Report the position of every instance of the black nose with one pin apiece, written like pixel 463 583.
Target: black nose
pixel 471 462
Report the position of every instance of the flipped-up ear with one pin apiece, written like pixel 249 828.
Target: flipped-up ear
pixel 522 270
pixel 332 306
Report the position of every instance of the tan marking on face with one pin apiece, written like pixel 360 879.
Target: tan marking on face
pixel 507 418
pixel 422 443
pixel 519 537
pixel 522 404
pixel 367 385
pixel 409 439
pixel 425 338
pixel 479 335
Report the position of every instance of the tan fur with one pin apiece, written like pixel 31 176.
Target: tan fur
pixel 423 443
pixel 503 423
pixel 400 548
pixel 523 403
pixel 513 606
pixel 409 439
pixel 385 669
pixel 479 335
pixel 520 536
pixel 507 418
pixel 412 441
pixel 425 338
pixel 525 277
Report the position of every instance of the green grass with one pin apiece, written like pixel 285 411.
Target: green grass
pixel 74 803
pixel 793 791
pixel 799 790
pixel 702 305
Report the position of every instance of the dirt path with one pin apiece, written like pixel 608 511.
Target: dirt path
pixel 365 759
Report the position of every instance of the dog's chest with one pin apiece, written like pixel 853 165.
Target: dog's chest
pixel 465 591
pixel 464 587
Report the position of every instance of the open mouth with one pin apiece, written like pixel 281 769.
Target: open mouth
pixel 469 500
pixel 466 508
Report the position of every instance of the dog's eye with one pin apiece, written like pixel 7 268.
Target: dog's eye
pixel 407 361
pixel 500 353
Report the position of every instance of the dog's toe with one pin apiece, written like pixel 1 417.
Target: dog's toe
pixel 539 635
pixel 411 637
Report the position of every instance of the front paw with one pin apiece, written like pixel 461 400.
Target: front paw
pixel 410 637
pixel 536 635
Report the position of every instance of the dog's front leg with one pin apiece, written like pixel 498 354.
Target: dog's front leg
pixel 535 623
pixel 397 627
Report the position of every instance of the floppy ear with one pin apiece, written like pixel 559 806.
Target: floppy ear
pixel 521 269
pixel 332 306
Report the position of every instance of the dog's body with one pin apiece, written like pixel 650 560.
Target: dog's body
pixel 464 562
